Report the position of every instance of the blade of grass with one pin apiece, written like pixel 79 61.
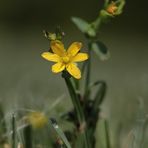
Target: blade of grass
pixel 78 108
pixel 104 135
pixel 106 128
pixel 59 132
pixel 13 131
pixel 28 136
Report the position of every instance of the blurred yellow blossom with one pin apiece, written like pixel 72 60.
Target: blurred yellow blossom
pixel 37 119
pixel 65 59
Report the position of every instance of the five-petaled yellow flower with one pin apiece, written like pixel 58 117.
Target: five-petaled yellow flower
pixel 65 59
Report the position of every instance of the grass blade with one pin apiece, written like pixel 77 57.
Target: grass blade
pixel 13 131
pixel 59 132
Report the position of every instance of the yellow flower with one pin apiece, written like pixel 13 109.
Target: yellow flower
pixel 37 119
pixel 112 8
pixel 65 59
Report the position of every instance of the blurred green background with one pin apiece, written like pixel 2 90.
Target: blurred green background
pixel 26 79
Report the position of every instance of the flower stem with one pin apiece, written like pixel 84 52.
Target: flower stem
pixel 13 131
pixel 96 24
pixel 88 72
pixel 28 136
pixel 75 100
pixel 107 134
pixel 78 109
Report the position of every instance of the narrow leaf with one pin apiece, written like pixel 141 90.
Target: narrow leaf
pixel 103 134
pixel 13 131
pixel 59 132
pixel 100 94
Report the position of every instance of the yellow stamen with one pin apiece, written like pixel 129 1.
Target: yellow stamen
pixel 66 59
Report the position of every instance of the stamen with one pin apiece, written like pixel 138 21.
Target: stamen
pixel 65 59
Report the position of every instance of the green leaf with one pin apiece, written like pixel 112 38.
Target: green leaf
pixel 101 50
pixel 91 31
pixel 100 93
pixel 84 26
pixel 81 24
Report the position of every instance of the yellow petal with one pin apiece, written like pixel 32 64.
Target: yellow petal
pixel 58 67
pixel 80 57
pixel 74 70
pixel 50 56
pixel 74 48
pixel 57 47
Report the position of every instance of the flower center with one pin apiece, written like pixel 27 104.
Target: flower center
pixel 66 59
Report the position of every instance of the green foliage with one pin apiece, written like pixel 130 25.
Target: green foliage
pixel 84 26
pixel 100 50
pixel 81 24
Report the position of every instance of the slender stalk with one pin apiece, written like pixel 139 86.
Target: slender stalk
pixel 96 24
pixel 13 131
pixel 28 136
pixel 78 109
pixel 75 100
pixel 76 84
pixel 86 140
pixel 107 134
pixel 88 72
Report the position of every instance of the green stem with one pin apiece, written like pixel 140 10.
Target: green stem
pixel 75 100
pixel 107 134
pixel 76 83
pixel 78 109
pixel 13 131
pixel 88 72
pixel 28 136
pixel 86 141
pixel 96 24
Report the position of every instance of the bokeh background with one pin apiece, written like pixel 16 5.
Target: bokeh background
pixel 25 78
